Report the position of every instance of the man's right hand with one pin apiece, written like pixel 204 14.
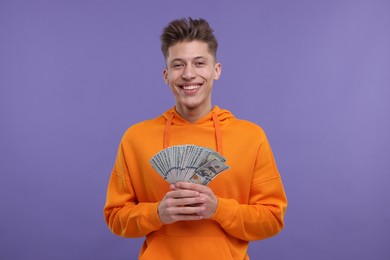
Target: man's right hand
pixel 179 205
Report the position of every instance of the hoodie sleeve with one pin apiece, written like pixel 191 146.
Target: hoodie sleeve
pixel 124 215
pixel 263 216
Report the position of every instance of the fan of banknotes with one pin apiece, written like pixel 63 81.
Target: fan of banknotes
pixel 189 163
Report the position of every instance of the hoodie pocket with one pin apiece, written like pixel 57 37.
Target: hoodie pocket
pixel 164 247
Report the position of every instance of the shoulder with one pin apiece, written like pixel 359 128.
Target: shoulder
pixel 247 127
pixel 145 127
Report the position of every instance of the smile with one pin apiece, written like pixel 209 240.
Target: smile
pixel 193 87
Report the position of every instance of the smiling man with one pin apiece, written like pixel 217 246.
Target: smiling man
pixel 191 70
pixel 186 220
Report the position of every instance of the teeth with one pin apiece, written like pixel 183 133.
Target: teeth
pixel 190 87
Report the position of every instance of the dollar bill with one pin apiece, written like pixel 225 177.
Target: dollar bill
pixel 188 163
pixel 207 172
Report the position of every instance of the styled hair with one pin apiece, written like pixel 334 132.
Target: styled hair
pixel 181 30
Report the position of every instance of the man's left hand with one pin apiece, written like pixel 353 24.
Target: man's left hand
pixel 211 201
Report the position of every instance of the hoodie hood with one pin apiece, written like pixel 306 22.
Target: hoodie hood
pixel 216 118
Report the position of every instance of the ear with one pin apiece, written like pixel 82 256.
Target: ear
pixel 217 70
pixel 165 76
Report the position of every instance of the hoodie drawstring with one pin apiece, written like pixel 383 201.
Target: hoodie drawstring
pixel 217 127
pixel 218 134
pixel 167 130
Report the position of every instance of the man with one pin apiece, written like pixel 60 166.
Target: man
pixel 187 220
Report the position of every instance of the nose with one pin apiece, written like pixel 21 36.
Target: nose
pixel 188 72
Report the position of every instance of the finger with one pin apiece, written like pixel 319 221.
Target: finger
pixel 190 202
pixel 187 217
pixel 183 193
pixel 192 186
pixel 184 202
pixel 187 210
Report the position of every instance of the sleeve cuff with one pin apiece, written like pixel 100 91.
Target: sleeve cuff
pixel 224 209
pixel 154 219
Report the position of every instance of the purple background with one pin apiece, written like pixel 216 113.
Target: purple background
pixel 75 74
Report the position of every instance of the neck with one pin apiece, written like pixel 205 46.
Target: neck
pixel 193 115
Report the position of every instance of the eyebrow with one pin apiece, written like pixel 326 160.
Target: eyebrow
pixel 196 58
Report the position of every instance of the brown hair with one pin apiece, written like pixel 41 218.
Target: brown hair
pixel 183 29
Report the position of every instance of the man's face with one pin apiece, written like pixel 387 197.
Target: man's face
pixel 190 73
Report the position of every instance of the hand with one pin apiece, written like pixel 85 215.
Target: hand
pixel 210 201
pixel 187 201
pixel 181 204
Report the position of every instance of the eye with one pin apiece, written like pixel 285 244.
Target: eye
pixel 177 65
pixel 200 63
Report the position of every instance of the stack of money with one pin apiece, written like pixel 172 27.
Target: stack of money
pixel 189 163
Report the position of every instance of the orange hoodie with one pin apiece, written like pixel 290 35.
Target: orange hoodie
pixel 251 198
